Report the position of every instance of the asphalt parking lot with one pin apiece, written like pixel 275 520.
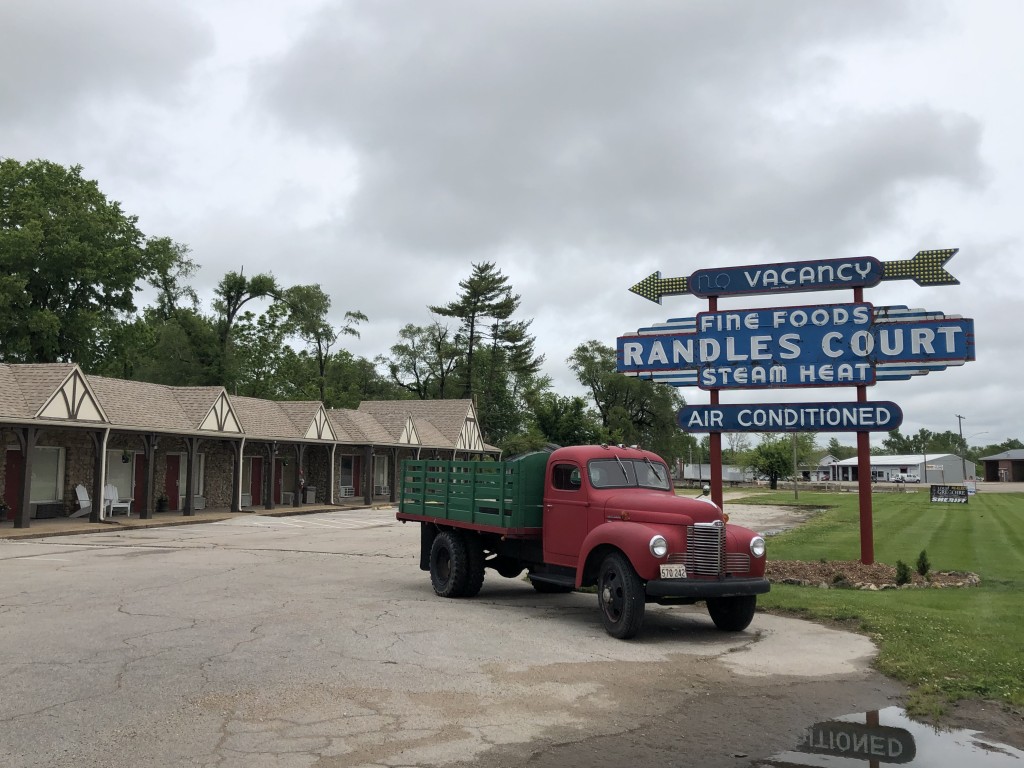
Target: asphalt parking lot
pixel 317 641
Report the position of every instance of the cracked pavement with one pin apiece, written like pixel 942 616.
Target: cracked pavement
pixel 317 641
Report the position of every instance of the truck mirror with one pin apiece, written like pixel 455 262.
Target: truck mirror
pixel 706 490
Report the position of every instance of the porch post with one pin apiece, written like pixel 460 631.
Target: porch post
pixel 191 457
pixel 330 474
pixel 368 475
pixel 297 474
pixel 27 438
pixel 150 443
pixel 238 449
pixel 99 473
pixel 393 494
pixel 268 498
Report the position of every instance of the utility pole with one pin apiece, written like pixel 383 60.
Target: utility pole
pixel 796 489
pixel 963 448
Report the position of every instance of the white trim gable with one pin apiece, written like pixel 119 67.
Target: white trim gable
pixel 74 400
pixel 320 428
pixel 221 417
pixel 409 435
pixel 470 438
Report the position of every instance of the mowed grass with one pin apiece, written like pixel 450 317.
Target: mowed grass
pixel 947 644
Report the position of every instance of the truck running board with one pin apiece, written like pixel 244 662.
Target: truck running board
pixel 556 579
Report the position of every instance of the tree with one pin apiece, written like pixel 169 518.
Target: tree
pixel 70 263
pixel 631 410
pixel 486 294
pixel 490 357
pixel 840 451
pixel 308 306
pixel 564 420
pixel 773 458
pixel 423 361
pixel 233 292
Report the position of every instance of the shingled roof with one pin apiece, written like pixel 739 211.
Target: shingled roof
pixel 61 392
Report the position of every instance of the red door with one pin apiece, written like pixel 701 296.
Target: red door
pixel 256 481
pixel 139 481
pixel 13 467
pixel 566 510
pixel 171 481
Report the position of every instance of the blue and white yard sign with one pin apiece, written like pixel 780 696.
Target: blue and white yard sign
pixel 809 346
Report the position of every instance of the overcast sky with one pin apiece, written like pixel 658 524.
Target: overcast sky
pixel 380 147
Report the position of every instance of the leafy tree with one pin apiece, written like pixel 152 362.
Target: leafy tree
pixel 773 458
pixel 564 420
pixel 233 292
pixel 491 357
pixel 840 451
pixel 258 348
pixel 423 361
pixel 70 263
pixel 486 295
pixel 631 410
pixel 308 306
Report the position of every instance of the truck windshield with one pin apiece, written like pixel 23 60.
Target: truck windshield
pixel 626 473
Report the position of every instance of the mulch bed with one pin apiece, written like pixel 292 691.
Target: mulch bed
pixel 852 574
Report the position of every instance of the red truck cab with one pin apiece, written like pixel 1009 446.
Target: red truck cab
pixel 584 516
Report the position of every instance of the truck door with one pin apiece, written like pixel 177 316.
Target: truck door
pixel 566 509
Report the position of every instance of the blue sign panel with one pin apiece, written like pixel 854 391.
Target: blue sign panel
pixel 880 416
pixel 811 346
pixel 790 277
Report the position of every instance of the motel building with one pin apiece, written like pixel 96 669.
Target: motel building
pixel 83 446
pixel 933 468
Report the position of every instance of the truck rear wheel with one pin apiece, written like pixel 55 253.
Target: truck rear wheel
pixel 732 614
pixel 449 565
pixel 620 595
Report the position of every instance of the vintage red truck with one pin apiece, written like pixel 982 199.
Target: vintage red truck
pixel 583 516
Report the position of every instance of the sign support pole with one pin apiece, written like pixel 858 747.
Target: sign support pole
pixel 715 439
pixel 867 537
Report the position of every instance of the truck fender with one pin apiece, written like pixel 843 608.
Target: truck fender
pixel 738 540
pixel 632 539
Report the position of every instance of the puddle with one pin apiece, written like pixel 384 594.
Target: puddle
pixel 889 737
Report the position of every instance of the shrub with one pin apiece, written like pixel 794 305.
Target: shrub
pixel 923 565
pixel 902 572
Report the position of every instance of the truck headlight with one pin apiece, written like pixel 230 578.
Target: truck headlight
pixel 658 546
pixel 757 546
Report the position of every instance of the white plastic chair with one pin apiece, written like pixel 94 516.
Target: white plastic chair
pixel 114 503
pixel 84 502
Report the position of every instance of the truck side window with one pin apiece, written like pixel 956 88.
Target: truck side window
pixel 565 477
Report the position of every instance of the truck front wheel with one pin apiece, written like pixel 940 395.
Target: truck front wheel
pixel 620 595
pixel 732 614
pixel 449 565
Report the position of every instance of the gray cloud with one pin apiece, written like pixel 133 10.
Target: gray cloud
pixel 58 55
pixel 565 124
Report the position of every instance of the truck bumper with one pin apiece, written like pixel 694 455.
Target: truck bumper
pixel 698 589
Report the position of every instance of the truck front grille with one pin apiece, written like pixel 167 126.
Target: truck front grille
pixel 705 550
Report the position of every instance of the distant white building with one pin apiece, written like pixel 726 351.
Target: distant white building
pixel 937 468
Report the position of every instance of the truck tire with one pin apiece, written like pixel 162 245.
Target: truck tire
pixel 620 596
pixel 449 564
pixel 732 614
pixel 475 565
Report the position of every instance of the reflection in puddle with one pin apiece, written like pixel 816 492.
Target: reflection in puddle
pixel 889 737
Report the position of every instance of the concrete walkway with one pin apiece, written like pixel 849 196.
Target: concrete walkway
pixel 66 526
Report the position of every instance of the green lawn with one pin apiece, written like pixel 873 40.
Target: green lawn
pixel 947 644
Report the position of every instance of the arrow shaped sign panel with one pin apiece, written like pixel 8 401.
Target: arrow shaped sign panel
pixel 925 268
pixel 813 346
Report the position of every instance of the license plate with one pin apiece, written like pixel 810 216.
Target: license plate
pixel 673 571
